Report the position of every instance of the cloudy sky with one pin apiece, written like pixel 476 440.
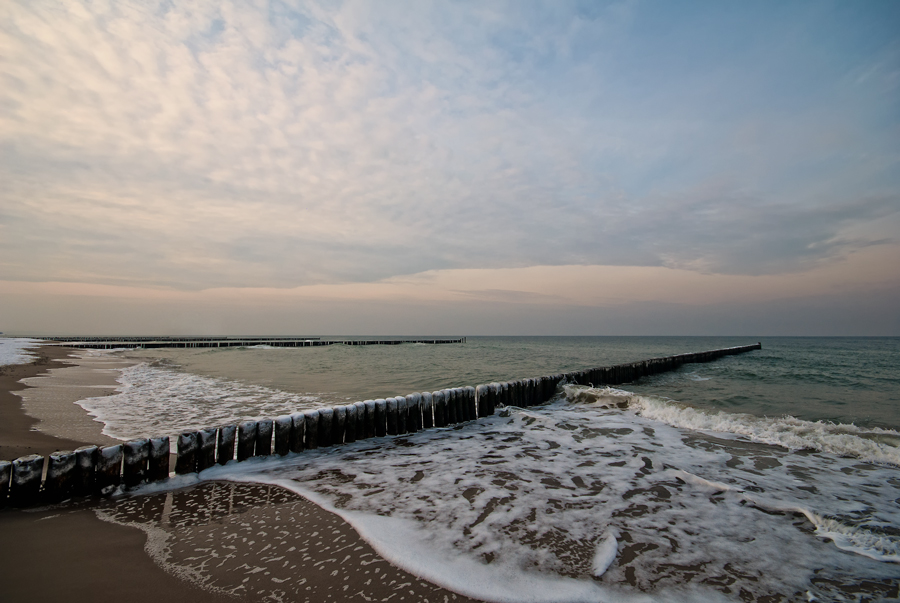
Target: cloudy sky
pixel 450 167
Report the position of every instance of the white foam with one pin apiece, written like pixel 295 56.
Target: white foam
pixel 605 554
pixel 575 500
pixel 14 350
pixel 155 400
pixel 873 444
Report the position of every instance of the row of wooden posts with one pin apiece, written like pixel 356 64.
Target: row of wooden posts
pixel 96 470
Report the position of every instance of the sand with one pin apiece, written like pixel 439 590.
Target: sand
pixel 214 542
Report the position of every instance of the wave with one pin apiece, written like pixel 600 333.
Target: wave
pixel 874 445
pixel 154 400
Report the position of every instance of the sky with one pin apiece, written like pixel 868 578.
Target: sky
pixel 464 168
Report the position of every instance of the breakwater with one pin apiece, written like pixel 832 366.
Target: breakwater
pixel 111 343
pixel 93 470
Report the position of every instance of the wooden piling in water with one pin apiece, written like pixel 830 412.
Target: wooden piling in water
pixel 452 406
pixel 427 410
pixel 264 431
pixel 283 434
pixel 312 429
pixel 471 407
pixel 5 479
pixel 391 410
pixel 86 468
pixel 60 481
pixel 108 469
pixel 414 412
pixel 225 443
pixel 371 422
pixel 298 431
pixel 326 428
pixel 339 425
pixel 380 417
pixel 25 485
pixel 350 411
pixel 186 451
pixel 135 455
pixel 206 448
pixel 246 440
pixel 158 459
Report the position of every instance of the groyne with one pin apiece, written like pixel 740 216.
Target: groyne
pixel 112 343
pixel 100 471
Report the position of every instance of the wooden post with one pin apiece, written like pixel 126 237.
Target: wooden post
pixel 481 400
pixel 264 430
pixel 186 453
pixel 246 440
pixel 427 410
pixel 135 455
pixel 312 429
pixel 452 406
pixel 350 411
pixel 225 444
pixel 391 405
pixel 414 412
pixel 5 478
pixel 380 418
pixel 339 425
pixel 283 435
pixel 60 476
pixel 298 431
pixel 472 412
pixel 109 469
pixel 85 470
pixel 206 448
pixel 158 459
pixel 505 394
pixel 26 479
pixel 370 418
pixel 326 428
pixel 440 408
pixel 402 415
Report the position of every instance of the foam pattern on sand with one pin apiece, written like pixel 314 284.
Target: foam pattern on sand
pixel 14 350
pixel 157 400
pixel 587 500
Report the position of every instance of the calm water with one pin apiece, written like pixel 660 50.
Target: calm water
pixel 845 380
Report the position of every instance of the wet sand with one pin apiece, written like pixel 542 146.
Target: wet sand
pixel 209 543
pixel 18 433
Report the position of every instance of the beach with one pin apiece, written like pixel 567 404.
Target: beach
pixel 716 481
pixel 109 549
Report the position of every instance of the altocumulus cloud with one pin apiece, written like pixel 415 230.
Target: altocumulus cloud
pixel 278 144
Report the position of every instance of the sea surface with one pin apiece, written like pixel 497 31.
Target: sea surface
pixel 771 475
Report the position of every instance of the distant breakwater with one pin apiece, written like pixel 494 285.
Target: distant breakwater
pixel 100 471
pixel 112 343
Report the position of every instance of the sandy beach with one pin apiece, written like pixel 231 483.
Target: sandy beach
pixel 213 542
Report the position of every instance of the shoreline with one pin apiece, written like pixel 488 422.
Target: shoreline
pixel 19 435
pixel 147 542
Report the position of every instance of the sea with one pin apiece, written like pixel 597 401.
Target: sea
pixel 772 475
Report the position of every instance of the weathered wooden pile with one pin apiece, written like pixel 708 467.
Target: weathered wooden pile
pixel 93 470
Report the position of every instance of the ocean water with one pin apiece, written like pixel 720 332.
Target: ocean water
pixel 772 475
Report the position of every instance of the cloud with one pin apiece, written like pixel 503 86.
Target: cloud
pixel 281 144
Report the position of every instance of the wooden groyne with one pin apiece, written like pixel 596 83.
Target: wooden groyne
pixel 100 471
pixel 111 343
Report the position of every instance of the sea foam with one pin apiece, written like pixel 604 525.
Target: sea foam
pixel 874 445
pixel 157 400
pixel 582 502
pixel 15 350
